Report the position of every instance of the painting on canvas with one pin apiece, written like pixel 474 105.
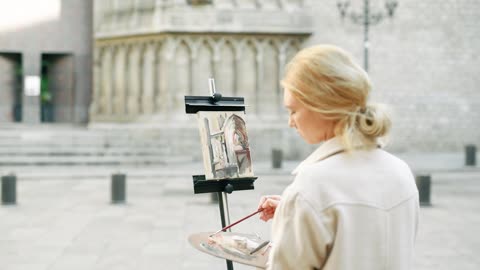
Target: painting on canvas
pixel 226 152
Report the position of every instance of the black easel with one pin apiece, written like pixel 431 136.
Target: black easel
pixel 216 102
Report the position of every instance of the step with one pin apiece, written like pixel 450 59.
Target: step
pixel 84 141
pixel 67 154
pixel 95 161
pixel 83 151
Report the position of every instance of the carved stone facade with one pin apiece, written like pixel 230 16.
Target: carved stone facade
pixel 150 54
pixel 150 75
pixel 134 17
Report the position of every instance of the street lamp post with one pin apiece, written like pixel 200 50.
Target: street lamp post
pixel 366 19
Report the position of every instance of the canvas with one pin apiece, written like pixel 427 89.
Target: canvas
pixel 225 147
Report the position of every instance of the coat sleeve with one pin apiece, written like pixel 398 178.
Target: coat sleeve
pixel 301 235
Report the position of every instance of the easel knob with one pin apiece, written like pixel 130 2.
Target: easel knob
pixel 229 188
pixel 216 97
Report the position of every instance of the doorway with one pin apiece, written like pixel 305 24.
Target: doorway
pixel 56 88
pixel 11 74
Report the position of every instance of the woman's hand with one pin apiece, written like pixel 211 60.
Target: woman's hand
pixel 268 203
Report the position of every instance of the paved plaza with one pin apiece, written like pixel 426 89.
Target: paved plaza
pixel 64 219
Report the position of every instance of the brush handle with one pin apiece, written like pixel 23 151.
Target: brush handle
pixel 260 247
pixel 238 221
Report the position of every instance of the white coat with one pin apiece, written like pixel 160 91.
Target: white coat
pixel 353 210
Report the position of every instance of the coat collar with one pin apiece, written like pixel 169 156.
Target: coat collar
pixel 328 148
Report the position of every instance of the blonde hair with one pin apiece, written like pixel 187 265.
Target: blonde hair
pixel 325 79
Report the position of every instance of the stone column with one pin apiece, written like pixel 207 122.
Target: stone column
pixel 259 86
pixel 282 57
pixel 165 84
pixel 236 70
pixel 134 80
pixel 181 84
pixel 148 85
pixel 119 82
pixel 192 70
pixel 97 83
pixel 158 76
pixel 105 106
pixel 31 104
pixel 164 100
pixel 216 61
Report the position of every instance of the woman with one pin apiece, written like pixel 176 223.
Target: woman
pixel 351 205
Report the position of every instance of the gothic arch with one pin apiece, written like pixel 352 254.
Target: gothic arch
pixel 268 94
pixel 292 48
pixel 183 41
pixel 225 71
pixel 209 41
pixel 183 69
pixel 247 73
pixel 203 67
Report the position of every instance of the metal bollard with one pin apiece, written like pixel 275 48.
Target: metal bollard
pixel 118 188
pixel 9 189
pixel 424 185
pixel 277 156
pixel 470 155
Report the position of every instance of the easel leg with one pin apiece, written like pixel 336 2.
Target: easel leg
pixel 222 217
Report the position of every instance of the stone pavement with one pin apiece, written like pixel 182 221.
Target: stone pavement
pixel 66 222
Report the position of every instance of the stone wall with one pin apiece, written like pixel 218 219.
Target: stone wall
pixel 423 63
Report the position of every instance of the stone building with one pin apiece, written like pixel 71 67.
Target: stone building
pixel 148 54
pixel 50 40
pixel 423 63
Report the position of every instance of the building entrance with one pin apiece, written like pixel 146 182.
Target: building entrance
pixel 56 88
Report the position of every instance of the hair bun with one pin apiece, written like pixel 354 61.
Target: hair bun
pixel 373 121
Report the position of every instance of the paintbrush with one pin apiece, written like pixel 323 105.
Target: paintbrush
pixel 260 247
pixel 236 222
